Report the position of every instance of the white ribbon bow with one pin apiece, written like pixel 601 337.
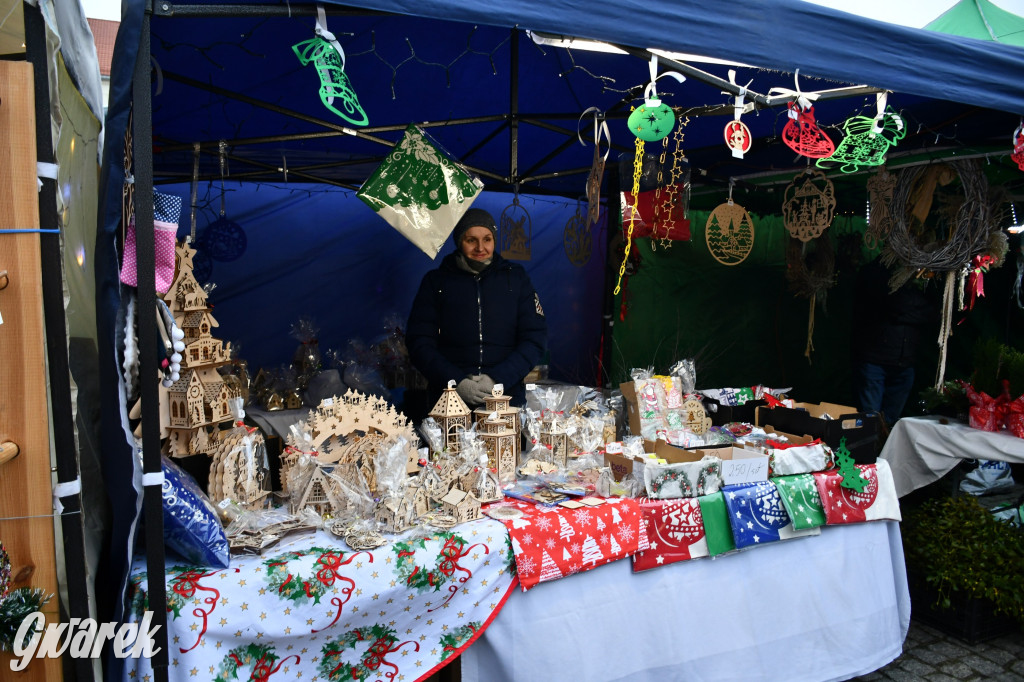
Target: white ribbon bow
pixel 803 99
pixel 600 129
pixel 651 91
pixel 321 30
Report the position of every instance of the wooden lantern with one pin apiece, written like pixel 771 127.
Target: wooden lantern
pixel 500 404
pixel 554 436
pixel 452 415
pixel 502 445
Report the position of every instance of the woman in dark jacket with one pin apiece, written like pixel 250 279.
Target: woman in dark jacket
pixel 476 319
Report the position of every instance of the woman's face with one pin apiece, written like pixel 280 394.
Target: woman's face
pixel 477 243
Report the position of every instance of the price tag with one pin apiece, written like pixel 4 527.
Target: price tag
pixel 745 470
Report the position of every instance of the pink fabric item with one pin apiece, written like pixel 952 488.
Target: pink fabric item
pixel 163 252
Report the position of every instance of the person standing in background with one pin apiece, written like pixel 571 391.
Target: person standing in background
pixel 476 319
pixel 887 332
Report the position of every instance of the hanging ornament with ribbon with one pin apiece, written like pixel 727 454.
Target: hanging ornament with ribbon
pixel 654 120
pixel 1018 146
pixel 223 240
pixel 577 239
pixel 729 232
pixel 867 139
pixel 801 132
pixel 515 231
pixel 737 135
pixel 325 52
pixel 809 205
pixel 596 176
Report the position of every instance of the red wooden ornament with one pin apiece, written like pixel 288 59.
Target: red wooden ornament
pixel 738 138
pixel 802 134
pixel 1018 147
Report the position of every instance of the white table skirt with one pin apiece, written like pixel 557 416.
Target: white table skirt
pixel 920 450
pixel 827 607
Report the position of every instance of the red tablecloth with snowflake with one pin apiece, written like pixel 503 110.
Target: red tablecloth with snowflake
pixel 314 610
pixel 551 542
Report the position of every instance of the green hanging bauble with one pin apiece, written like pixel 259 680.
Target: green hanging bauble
pixel 652 121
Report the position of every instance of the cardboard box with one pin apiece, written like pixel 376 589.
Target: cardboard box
pixel 739 465
pixel 790 438
pixel 632 409
pixel 859 428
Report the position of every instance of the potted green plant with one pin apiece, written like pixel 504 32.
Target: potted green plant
pixel 964 568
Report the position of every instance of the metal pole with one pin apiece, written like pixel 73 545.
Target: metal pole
pixel 142 136
pixel 513 108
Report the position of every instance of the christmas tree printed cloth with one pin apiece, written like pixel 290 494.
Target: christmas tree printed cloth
pixel 420 191
pixel 875 502
pixel 757 515
pixel 313 610
pixel 800 497
pixel 553 542
pixel 675 531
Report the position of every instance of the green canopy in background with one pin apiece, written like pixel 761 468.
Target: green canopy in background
pixel 982 20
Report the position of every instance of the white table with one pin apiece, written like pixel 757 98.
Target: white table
pixel 921 450
pixel 827 607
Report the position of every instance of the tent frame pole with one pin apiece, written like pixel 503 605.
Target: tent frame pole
pixel 142 136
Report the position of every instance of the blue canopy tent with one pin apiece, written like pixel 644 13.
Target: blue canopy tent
pixel 507 106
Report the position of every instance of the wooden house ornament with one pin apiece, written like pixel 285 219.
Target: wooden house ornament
pixel 321 494
pixel 239 469
pixel 462 506
pixel 194 407
pixel 554 436
pixel 502 445
pixel 499 403
pixel 398 514
pixel 452 415
pixel 488 488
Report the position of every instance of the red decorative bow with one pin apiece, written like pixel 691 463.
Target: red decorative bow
pixel 976 280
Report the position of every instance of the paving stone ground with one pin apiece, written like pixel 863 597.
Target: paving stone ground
pixel 931 656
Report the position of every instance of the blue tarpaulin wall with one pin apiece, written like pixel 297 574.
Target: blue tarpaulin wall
pixel 320 252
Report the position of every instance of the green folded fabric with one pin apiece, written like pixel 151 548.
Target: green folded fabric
pixel 800 498
pixel 716 524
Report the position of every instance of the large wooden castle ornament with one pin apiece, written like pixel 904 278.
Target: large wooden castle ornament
pixel 452 415
pixel 729 233
pixel 809 205
pixel 499 403
pixel 346 433
pixel 193 407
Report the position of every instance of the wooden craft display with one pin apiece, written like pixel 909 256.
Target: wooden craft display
pixel 697 419
pixel 500 405
pixel 881 186
pixel 809 204
pixel 452 415
pixel 502 445
pixel 554 436
pixel 347 433
pixel 193 408
pixel 729 233
pixel 239 471
pixel 515 232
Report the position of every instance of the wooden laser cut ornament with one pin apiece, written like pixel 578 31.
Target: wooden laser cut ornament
pixel 738 138
pixel 697 419
pixel 880 188
pixel 577 240
pixel 729 233
pixel 239 471
pixel 802 134
pixel 347 434
pixel 809 205
pixel 515 232
pixel 452 415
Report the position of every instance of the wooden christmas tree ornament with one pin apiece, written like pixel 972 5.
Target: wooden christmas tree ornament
pixel 729 233
pixel 809 205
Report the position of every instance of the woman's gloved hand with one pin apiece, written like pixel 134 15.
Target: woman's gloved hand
pixel 474 389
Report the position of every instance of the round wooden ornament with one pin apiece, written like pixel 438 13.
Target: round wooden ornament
pixel 738 138
pixel 729 233
pixel 809 204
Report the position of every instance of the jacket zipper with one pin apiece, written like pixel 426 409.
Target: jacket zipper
pixel 480 323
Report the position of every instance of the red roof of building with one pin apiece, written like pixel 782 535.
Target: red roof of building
pixel 103 33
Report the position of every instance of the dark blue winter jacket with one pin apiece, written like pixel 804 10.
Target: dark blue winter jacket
pixel 491 323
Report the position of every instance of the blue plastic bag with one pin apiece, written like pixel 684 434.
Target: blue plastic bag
pixel 191 526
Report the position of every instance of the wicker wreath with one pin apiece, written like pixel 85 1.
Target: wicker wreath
pixel 811 273
pixel 969 230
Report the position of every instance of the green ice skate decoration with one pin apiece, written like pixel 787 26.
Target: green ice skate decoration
pixel 326 54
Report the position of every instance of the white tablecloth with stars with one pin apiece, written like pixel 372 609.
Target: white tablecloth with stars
pixel 827 607
pixel 313 610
